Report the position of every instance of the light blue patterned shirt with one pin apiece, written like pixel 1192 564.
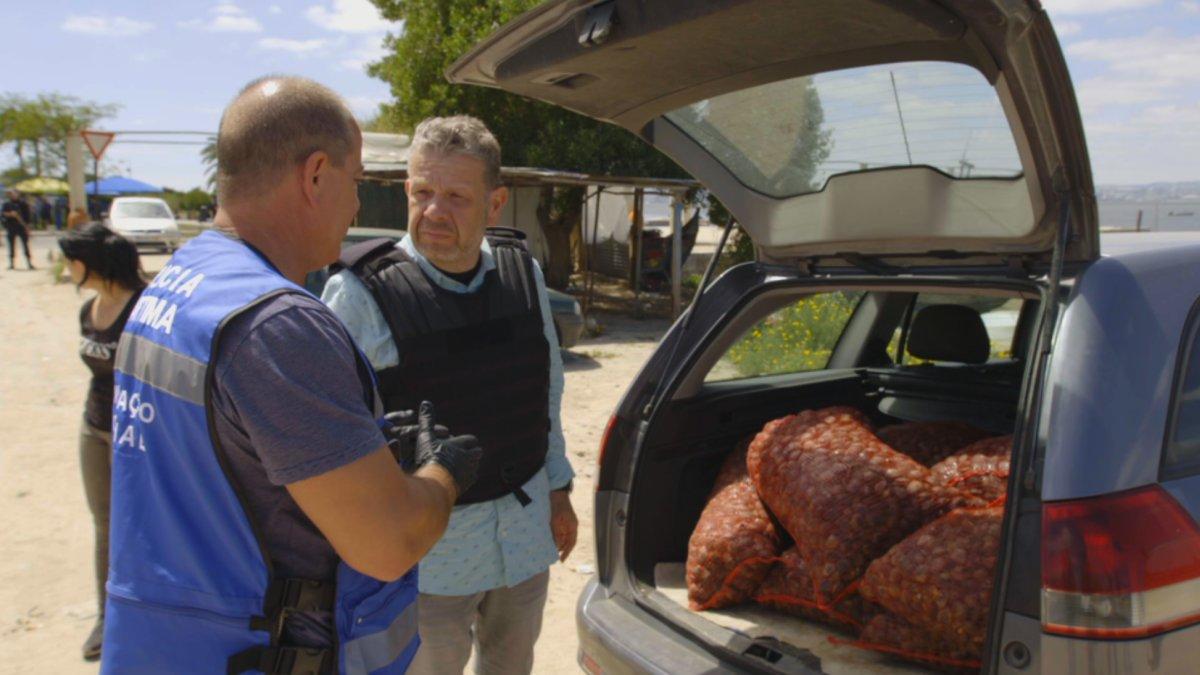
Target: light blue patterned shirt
pixel 490 544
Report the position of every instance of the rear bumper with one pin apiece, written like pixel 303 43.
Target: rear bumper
pixel 616 636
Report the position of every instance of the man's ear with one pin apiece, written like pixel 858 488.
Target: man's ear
pixel 314 170
pixel 496 202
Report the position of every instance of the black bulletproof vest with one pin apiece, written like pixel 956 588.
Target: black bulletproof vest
pixel 481 358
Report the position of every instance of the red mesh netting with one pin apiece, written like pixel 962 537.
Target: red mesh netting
pixel 939 580
pixel 734 544
pixel 889 634
pixel 930 442
pixel 980 468
pixel 842 493
pixel 789 588
pixel 785 430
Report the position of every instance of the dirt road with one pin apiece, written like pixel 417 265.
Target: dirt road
pixel 46 599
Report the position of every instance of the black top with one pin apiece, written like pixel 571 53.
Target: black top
pixel 98 349
pixel 463 278
pixel 480 357
pixel 10 209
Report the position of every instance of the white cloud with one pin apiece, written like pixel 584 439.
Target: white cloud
pixel 364 107
pixel 1190 7
pixel 293 46
pixel 110 26
pixel 226 23
pixel 1067 28
pixel 1158 143
pixel 347 16
pixel 1142 111
pixel 229 18
pixel 1062 7
pixel 275 9
pixel 369 50
pixel 1153 68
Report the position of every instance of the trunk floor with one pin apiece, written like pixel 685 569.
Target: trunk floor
pixel 756 621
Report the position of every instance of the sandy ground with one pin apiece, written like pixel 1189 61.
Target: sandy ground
pixel 47 603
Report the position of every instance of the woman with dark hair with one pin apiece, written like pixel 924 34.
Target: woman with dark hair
pixel 104 261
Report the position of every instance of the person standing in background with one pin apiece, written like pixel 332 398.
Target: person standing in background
pixel 77 218
pixel 15 214
pixel 103 261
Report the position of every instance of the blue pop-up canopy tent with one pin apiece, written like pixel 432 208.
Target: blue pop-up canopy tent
pixel 120 185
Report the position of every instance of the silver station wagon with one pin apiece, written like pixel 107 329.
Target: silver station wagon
pixel 914 176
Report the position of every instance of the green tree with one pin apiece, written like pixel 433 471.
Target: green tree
pixel 208 156
pixel 531 133
pixel 38 128
pixel 195 198
pixel 739 248
pixel 382 123
pixel 189 201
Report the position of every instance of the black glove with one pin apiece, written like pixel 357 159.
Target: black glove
pixel 402 437
pixel 459 456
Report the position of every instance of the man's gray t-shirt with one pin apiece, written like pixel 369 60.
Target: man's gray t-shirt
pixel 289 404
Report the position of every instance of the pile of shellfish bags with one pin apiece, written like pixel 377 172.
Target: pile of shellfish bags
pixel 895 531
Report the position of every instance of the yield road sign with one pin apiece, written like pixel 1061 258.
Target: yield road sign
pixel 97 141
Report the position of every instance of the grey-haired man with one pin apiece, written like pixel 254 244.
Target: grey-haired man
pixel 460 316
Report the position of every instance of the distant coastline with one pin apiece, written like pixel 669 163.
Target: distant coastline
pixel 1163 207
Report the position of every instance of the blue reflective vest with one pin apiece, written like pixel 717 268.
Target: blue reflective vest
pixel 190 585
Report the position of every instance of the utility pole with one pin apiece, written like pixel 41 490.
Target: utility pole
pixel 75 175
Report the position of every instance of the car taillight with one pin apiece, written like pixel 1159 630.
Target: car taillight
pixel 1119 566
pixel 604 441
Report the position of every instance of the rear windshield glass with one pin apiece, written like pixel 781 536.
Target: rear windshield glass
pixel 787 138
pixel 141 210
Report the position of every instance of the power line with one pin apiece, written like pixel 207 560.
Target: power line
pixel 159 143
pixel 164 133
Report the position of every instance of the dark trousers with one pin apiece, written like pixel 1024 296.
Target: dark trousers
pixel 95 459
pixel 14 232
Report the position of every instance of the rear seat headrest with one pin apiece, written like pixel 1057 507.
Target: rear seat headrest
pixel 949 333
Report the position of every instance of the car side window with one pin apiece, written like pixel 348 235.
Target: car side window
pixel 799 337
pixel 1182 454
pixel 1000 316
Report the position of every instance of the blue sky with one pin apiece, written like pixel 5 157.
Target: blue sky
pixel 174 65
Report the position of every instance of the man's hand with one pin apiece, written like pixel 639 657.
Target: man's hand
pixel 402 437
pixel 563 523
pixel 459 455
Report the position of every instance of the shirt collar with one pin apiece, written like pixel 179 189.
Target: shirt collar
pixel 487 263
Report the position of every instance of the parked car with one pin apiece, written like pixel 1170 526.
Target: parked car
pixel 146 221
pixel 890 159
pixel 568 318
